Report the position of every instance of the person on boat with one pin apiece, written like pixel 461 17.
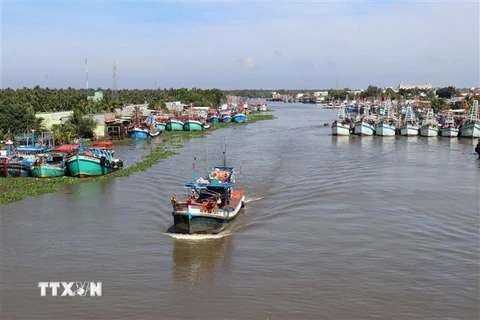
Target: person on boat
pixel 477 148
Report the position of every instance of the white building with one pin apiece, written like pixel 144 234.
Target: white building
pixel 414 86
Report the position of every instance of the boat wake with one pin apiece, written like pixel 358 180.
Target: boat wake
pixel 196 237
pixel 252 200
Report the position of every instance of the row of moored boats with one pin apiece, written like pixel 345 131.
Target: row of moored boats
pixel 67 160
pixel 411 122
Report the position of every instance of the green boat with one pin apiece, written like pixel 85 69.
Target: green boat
pixel 161 126
pixel 49 166
pixel 46 170
pixel 84 166
pixel 174 125
pixel 192 125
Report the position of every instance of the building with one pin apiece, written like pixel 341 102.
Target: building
pixel 175 106
pixel 96 97
pixel 51 118
pixel 404 86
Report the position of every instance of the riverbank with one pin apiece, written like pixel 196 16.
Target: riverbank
pixel 16 189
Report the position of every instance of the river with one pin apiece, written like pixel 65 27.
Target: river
pixel 334 228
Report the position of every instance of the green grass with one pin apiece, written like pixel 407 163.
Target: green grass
pixel 15 189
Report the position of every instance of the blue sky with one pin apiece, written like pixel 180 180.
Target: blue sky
pixel 240 44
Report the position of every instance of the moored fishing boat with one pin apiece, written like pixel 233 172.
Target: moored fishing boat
pixel 341 125
pixel 385 126
pixel 95 162
pixel 174 125
pixel 49 166
pixel 470 127
pixel 448 128
pixel 192 125
pixel 212 204
pixel 263 107
pixel 239 117
pixel 429 126
pixel 409 125
pixel 104 145
pixel 13 166
pixel 364 125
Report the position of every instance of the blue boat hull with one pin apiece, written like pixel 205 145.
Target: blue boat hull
pixel 227 119
pixel 14 170
pixel 239 118
pixel 214 119
pixel 138 134
pixel 199 224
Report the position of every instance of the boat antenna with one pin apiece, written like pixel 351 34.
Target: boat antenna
pixel 224 154
pixel 194 171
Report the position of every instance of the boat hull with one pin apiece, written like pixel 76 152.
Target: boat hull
pixel 409 130
pixel 174 125
pixel 138 134
pixel 192 221
pixel 340 129
pixel 192 125
pixel 46 170
pixel 161 126
pixel 226 119
pixel 385 130
pixel 449 132
pixel 239 118
pixel 84 166
pixel 364 129
pixel 14 170
pixel 427 131
pixel 471 130
pixel 214 119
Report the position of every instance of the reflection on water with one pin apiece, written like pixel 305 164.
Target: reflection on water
pixel 198 260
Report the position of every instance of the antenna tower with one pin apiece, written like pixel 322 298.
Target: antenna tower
pixel 114 83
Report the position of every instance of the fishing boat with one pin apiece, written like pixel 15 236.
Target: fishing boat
pixel 49 166
pixel 448 128
pixel 341 125
pixel 263 107
pixel 384 127
pixel 95 162
pixel 409 126
pixel 239 117
pixel 12 166
pixel 192 125
pixel 213 115
pixel 470 127
pixel 364 125
pixel 104 145
pixel 174 124
pixel 429 126
pixel 212 202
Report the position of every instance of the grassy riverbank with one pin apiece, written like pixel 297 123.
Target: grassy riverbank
pixel 16 189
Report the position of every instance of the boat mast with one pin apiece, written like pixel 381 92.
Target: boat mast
pixel 224 154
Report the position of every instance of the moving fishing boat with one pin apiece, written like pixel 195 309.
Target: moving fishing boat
pixel 95 162
pixel 212 202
